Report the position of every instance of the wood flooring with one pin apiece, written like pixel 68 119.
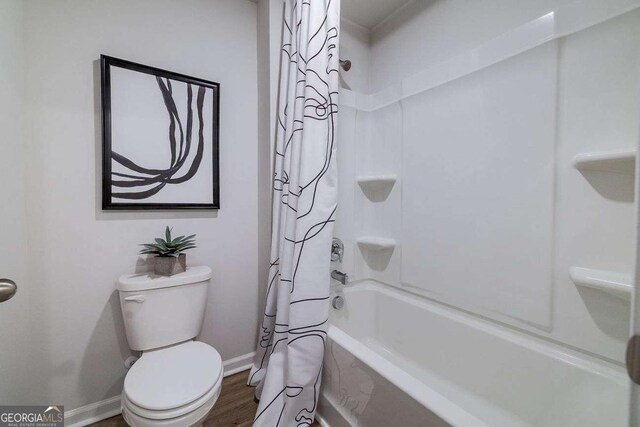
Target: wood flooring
pixel 234 407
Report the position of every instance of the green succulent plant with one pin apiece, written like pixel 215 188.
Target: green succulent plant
pixel 169 247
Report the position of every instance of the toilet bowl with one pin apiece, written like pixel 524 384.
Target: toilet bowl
pixel 177 380
pixel 175 386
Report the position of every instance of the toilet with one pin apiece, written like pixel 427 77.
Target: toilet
pixel 177 380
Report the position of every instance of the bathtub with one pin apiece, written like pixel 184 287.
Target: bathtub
pixel 394 359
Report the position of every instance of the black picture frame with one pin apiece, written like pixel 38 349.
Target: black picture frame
pixel 106 63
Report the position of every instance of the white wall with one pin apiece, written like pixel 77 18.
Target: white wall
pixel 77 251
pixel 354 46
pixel 14 314
pixel 269 33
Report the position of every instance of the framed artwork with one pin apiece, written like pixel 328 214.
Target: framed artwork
pixel 160 138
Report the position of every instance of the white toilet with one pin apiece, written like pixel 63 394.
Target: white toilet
pixel 177 380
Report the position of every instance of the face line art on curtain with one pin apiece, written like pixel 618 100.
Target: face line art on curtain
pixel 287 366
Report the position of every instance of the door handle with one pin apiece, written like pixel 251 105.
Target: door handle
pixel 8 289
pixel 135 298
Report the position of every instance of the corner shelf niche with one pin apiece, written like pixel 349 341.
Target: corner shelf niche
pixel 622 162
pixel 377 187
pixel 611 282
pixel 377 182
pixel 371 243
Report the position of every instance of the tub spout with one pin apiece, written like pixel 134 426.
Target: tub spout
pixel 340 276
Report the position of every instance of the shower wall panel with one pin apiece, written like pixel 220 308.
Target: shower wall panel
pixel 379 154
pixel 478 174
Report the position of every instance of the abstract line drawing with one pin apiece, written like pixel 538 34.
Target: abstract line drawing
pixel 287 367
pixel 160 138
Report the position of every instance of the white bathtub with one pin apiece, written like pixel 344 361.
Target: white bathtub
pixel 394 359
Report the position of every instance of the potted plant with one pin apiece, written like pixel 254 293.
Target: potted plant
pixel 169 256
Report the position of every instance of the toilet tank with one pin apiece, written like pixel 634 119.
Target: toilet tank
pixel 163 310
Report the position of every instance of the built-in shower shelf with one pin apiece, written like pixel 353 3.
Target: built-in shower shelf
pixel 611 282
pixel 623 162
pixel 377 182
pixel 371 243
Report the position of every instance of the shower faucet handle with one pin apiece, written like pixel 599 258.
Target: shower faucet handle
pixel 337 250
pixel 340 276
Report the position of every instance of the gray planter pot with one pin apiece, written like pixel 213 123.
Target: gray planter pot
pixel 170 265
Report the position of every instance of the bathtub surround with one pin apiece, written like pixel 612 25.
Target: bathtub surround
pixel 292 334
pixel 582 59
pixel 484 115
pixel 68 343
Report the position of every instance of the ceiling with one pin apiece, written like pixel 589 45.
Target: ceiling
pixel 369 13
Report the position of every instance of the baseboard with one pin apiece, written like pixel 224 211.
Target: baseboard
pixel 98 411
pixel 93 412
pixel 238 364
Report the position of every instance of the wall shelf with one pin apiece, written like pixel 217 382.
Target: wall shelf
pixel 611 282
pixel 622 162
pixel 371 243
pixel 377 182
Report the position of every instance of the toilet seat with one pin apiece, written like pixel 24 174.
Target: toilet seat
pixel 213 393
pixel 174 384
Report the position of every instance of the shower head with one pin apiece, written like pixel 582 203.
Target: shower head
pixel 345 64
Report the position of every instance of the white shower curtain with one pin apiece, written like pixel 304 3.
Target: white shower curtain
pixel 288 363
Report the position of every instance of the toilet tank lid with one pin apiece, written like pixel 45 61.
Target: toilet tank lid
pixel 146 281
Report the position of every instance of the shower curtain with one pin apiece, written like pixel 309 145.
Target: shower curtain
pixel 288 363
